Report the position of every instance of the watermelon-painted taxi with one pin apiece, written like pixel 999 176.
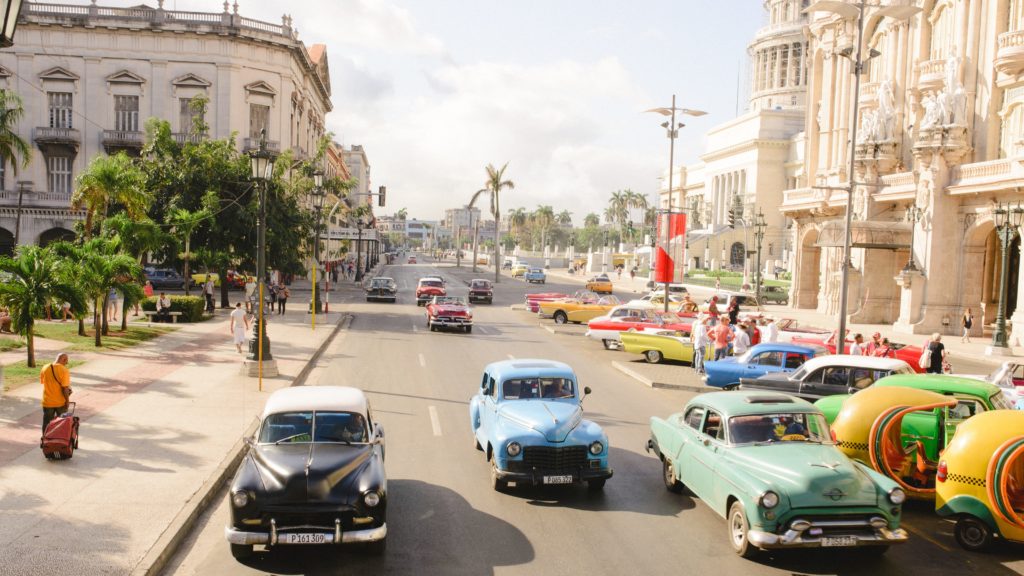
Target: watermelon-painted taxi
pixel 981 480
pixel 767 463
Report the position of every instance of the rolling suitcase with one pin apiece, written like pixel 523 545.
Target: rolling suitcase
pixel 61 437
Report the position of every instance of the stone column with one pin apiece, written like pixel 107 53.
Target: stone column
pixel 1017 320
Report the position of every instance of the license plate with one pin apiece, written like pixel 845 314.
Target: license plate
pixel 306 538
pixel 832 541
pixel 558 479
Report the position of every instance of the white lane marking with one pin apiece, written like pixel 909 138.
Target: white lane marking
pixel 511 357
pixel 423 361
pixel 415 328
pixel 435 423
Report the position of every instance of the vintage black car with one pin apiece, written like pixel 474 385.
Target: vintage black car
pixel 313 474
pixel 163 279
pixel 382 288
pixel 480 290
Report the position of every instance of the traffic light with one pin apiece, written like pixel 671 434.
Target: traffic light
pixel 732 218
pixel 382 191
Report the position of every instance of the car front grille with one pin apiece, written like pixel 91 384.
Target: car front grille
pixel 291 518
pixel 555 458
pixel 453 319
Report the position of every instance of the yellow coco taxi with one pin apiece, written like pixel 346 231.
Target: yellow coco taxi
pixel 880 426
pixel 600 284
pixel 577 311
pixel 981 479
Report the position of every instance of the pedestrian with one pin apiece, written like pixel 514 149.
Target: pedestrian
pixel 967 322
pixel 688 306
pixel 250 294
pixel 938 354
pixel 722 336
pixel 147 289
pixel 56 380
pixel 112 305
pixel 857 348
pixel 239 326
pixel 334 274
pixel 632 273
pixel 163 308
pixel 5 321
pixel 733 310
pixel 718 283
pixel 753 332
pixel 208 292
pixel 876 342
pixel 66 311
pixel 618 270
pixel 884 350
pixel 713 309
pixel 273 296
pixel 772 331
pixel 699 338
pixel 282 299
pixel 741 341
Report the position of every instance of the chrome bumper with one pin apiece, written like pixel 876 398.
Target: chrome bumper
pixel 794 537
pixel 447 322
pixel 235 536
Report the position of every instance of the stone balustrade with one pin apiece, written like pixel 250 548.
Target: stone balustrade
pixel 931 74
pixel 1010 52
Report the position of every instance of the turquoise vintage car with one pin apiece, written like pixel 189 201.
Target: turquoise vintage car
pixel 527 417
pixel 766 462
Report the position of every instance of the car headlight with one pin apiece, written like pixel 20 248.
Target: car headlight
pixel 769 500
pixel 897 496
pixel 513 449
pixel 240 498
pixel 371 499
pixel 596 447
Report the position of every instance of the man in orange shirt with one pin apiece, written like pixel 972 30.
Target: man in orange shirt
pixel 56 381
pixel 721 336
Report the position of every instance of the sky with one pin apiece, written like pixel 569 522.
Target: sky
pixel 435 90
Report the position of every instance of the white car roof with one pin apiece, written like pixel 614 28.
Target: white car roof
pixel 305 398
pixel 871 362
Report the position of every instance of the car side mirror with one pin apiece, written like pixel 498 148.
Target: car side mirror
pixel 586 392
pixel 378 431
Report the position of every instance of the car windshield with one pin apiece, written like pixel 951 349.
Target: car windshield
pixel 781 427
pixel 380 283
pixel 1001 402
pixel 481 285
pixel 304 427
pixel 536 271
pixel 431 283
pixel 448 301
pixel 531 388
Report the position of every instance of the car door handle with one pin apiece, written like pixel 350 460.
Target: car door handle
pixel 705 442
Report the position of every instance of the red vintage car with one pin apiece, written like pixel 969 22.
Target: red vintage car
pixel 449 312
pixel 533 300
pixel 638 318
pixel 428 288
pixel 909 354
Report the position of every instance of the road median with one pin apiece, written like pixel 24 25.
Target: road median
pixel 642 373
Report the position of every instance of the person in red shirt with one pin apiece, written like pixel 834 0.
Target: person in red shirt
pixel 713 309
pixel 721 336
pixel 874 345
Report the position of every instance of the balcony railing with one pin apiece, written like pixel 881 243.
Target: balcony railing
pixel 123 138
pixel 931 74
pixel 65 136
pixel 253 144
pixel 1010 55
pixel 183 138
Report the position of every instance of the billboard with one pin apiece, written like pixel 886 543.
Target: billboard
pixel 669 254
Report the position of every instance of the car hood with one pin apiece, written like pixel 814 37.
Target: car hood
pixel 448 309
pixel 430 290
pixel 310 472
pixel 555 420
pixel 808 474
pixel 771 377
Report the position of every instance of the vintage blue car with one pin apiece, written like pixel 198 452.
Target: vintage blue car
pixel 761 359
pixel 535 275
pixel 527 418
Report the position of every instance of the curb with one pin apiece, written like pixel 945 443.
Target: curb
pixel 170 540
pixel 560 331
pixel 653 384
pixel 521 307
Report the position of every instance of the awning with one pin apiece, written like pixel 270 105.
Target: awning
pixel 872 235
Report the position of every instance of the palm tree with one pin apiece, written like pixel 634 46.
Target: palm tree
pixel 517 219
pixel 36 279
pixel 402 214
pixel 137 238
pixel 544 218
pixel 12 146
pixel 110 180
pixel 494 184
pixel 591 220
pixel 564 218
pixel 75 256
pixel 108 268
pixel 185 223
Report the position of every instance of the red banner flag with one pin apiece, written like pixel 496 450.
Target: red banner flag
pixel 669 254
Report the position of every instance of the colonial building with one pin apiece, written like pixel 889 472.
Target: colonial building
pixel 748 161
pixel 941 132
pixel 459 222
pixel 90 76
pixel 359 168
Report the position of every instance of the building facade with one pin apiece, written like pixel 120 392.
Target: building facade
pixel 941 133
pixel 359 168
pixel 90 76
pixel 460 221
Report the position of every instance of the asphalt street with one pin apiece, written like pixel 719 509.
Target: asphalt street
pixel 443 516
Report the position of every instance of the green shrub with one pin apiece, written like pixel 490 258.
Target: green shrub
pixel 191 307
pixel 717 274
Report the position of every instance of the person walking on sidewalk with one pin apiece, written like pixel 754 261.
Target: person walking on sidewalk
pixel 741 341
pixel 700 343
pixel 938 352
pixel 112 305
pixel 722 336
pixel 208 292
pixel 239 325
pixel 282 298
pixel 967 322
pixel 56 380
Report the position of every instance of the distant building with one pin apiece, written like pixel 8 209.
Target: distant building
pixel 462 220
pixel 359 168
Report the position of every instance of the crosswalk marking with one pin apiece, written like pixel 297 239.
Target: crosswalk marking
pixel 435 422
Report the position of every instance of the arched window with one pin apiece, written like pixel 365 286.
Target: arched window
pixel 942 30
pixel 736 254
pixel 1016 15
pixel 6 242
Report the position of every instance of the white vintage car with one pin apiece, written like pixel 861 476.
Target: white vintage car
pixel 1010 378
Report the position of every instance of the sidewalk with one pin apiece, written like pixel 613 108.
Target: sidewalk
pixel 159 421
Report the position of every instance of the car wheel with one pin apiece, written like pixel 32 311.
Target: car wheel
pixel 972 534
pixel 596 485
pixel 476 442
pixel 731 387
pixel 469 329
pixel 241 551
pixel 738 530
pixel 560 317
pixel 668 474
pixel 497 483
pixel 653 356
pixel 608 345
pixel 377 547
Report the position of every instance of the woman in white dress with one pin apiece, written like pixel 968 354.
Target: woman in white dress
pixel 239 325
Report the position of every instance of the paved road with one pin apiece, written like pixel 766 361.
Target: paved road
pixel 443 517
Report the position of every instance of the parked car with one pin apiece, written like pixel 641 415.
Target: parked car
pixel 382 288
pixel 519 270
pixel 774 295
pixel 600 284
pixel 987 448
pixel 630 317
pixel 909 354
pixel 164 279
pixel 313 474
pixel 657 346
pixel 748 302
pixel 481 290
pixel 828 376
pixel 577 310
pixel 429 287
pixel 449 312
pixel 790 329
pixel 1009 377
pixel 767 463
pixel 765 358
pixel 533 300
pixel 200 278
pixel 527 418
pixel 535 275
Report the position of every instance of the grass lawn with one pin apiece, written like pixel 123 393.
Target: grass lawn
pixel 9 342
pixel 18 374
pixel 116 340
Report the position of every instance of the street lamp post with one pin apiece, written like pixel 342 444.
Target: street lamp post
pixel 319 195
pixel 10 10
pixel 672 129
pixel 913 216
pixel 359 251
pixel 851 11
pixel 759 228
pixel 1008 220
pixel 262 163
